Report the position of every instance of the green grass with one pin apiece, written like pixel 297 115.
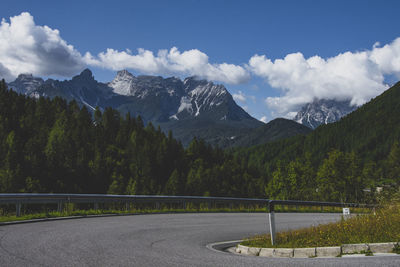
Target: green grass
pixel 317 209
pixel 368 228
pixel 368 253
pixel 73 210
pixel 54 214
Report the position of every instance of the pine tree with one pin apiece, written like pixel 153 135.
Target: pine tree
pixel 173 185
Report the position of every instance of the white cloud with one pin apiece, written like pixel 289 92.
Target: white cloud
pixel 28 48
pixel 355 76
pixel 263 119
pixel 191 62
pixel 242 97
pixel 387 57
pixel 239 97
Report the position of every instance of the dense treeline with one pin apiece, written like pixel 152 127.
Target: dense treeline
pixel 338 160
pixel 50 145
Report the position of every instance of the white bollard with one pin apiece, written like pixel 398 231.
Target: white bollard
pixel 272 226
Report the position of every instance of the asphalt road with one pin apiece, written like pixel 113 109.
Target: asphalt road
pixel 155 240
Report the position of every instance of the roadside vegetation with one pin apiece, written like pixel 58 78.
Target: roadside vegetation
pixel 74 210
pixel 30 212
pixel 383 225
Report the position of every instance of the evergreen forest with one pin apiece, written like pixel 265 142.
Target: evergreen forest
pixel 51 145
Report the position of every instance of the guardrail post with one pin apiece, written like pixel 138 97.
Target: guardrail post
pixel 184 205
pixel 18 209
pixel 157 205
pixel 271 221
pixel 126 205
pixel 96 206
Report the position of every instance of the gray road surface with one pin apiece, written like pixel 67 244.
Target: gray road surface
pixel 155 240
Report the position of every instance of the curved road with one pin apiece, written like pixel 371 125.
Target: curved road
pixel 155 240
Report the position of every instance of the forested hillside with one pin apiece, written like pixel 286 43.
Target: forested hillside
pixel 50 145
pixel 54 146
pixel 336 161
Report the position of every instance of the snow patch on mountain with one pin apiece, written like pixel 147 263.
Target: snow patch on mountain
pixel 174 117
pixel 186 104
pixel 87 104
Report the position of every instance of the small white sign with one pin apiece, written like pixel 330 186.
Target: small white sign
pixel 346 211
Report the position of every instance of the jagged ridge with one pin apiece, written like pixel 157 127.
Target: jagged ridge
pixel 323 111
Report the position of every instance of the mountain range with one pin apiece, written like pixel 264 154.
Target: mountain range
pixel 189 108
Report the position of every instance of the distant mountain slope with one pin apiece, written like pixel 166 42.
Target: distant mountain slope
pixel 370 131
pixel 323 111
pixel 274 130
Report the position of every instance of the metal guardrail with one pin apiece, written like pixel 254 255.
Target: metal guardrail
pixel 96 199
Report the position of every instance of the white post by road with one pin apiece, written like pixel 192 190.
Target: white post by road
pixel 271 221
pixel 346 212
pixel 272 226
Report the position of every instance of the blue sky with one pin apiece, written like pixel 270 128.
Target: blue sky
pixel 231 32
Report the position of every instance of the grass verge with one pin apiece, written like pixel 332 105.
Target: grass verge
pixel 368 228
pixel 68 212
pixel 73 210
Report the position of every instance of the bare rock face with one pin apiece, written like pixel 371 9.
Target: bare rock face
pixel 26 84
pixel 323 111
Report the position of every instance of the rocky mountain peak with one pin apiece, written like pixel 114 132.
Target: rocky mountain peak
pixel 323 111
pixel 26 83
pixel 124 74
pixel 193 82
pixel 122 83
pixel 85 75
pixel 25 76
